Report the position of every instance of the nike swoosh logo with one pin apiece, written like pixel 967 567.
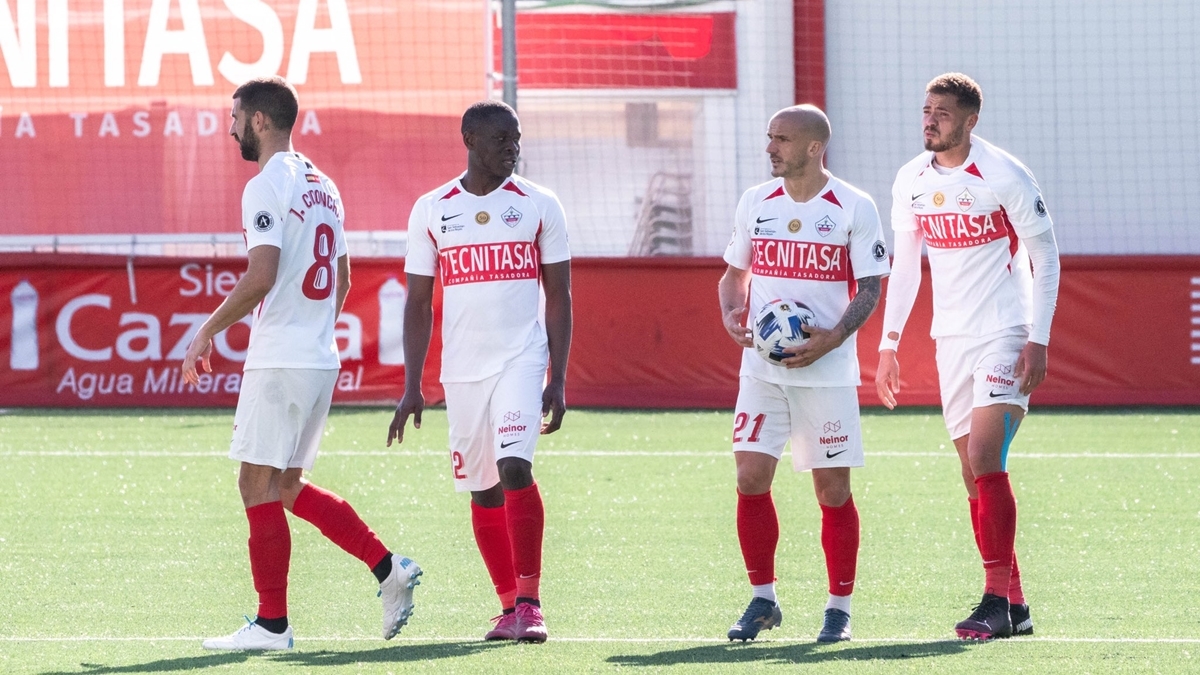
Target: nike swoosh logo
pixel 834 454
pixel 845 583
pixel 995 395
pixel 760 221
pixel 527 576
pixel 505 445
pixel 989 562
pixel 916 197
pixel 445 218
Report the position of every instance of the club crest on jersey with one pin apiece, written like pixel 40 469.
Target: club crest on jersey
pixel 965 199
pixel 511 217
pixel 939 199
pixel 263 222
pixel 825 226
pixel 794 226
pixel 482 217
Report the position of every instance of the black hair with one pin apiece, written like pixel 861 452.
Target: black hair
pixel 272 96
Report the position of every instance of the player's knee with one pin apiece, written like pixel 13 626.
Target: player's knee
pixel 832 486
pixel 754 480
pixel 515 473
pixel 253 489
pixel 833 495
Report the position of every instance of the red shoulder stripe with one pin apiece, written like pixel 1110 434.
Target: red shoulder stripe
pixel 832 199
pixel 512 187
pixel 777 193
pixel 974 171
pixel 453 191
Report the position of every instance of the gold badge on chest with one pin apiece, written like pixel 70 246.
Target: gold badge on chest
pixel 482 217
pixel 794 226
pixel 939 199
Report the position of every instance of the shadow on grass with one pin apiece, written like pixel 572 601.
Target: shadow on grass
pixel 398 653
pixel 791 653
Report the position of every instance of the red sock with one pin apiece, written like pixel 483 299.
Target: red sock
pixel 997 530
pixel 974 506
pixel 1015 594
pixel 526 520
pixel 336 519
pixel 270 552
pixel 839 538
pixel 758 533
pixel 491 535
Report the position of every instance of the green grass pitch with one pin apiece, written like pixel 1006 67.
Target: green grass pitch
pixel 123 543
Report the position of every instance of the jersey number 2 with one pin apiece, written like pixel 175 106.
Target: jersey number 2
pixel 318 280
pixel 456 459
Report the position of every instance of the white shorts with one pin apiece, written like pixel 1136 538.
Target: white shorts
pixel 822 423
pixel 975 372
pixel 280 416
pixel 495 418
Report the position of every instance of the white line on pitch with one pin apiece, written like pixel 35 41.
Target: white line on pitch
pixel 617 640
pixel 153 454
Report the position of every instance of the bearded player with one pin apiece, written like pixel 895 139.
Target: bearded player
pixel 810 237
pixel 496 241
pixel 980 213
pixel 295 284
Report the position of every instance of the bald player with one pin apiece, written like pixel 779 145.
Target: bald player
pixel 812 238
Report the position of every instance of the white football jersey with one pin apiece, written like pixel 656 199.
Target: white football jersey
pixel 488 252
pixel 294 207
pixel 811 253
pixel 973 219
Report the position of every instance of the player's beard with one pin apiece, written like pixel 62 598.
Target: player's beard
pixel 948 141
pixel 249 144
pixel 790 169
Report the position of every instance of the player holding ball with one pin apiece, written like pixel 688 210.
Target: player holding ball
pixel 807 238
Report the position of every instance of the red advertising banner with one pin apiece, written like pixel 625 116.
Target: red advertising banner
pixel 114 116
pixel 102 331
pixel 608 50
pixel 91 331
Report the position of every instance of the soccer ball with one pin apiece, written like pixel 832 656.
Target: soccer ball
pixel 778 325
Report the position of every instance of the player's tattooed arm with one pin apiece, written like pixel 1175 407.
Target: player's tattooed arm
pixel 863 304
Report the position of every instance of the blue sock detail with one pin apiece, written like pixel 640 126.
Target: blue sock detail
pixel 1010 432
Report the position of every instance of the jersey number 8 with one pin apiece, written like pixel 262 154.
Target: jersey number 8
pixel 318 280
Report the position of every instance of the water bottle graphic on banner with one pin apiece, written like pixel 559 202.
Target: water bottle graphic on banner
pixel 24 353
pixel 391 322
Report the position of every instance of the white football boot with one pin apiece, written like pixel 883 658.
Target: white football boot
pixel 397 594
pixel 252 637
